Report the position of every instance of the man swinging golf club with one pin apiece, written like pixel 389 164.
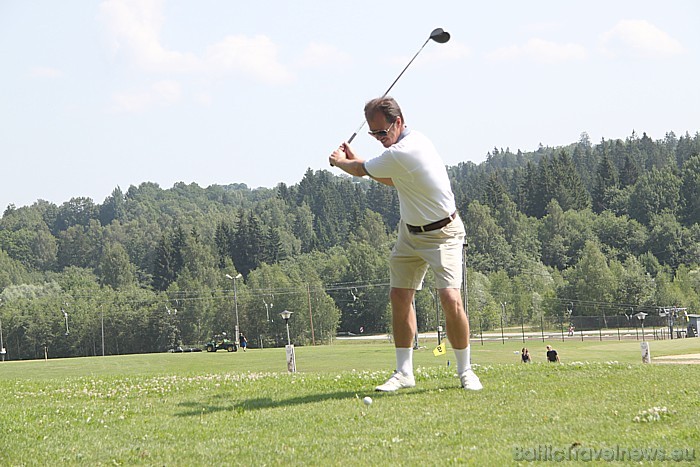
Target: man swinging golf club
pixel 431 234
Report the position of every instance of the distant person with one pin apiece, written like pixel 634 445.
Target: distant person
pixel 525 355
pixel 572 328
pixel 243 341
pixel 552 355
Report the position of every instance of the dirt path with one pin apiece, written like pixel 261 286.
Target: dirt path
pixel 690 358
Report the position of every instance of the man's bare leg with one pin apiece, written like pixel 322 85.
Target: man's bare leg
pixel 403 320
pixel 458 335
pixel 403 317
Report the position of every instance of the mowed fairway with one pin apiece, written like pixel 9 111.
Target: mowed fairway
pixel 244 409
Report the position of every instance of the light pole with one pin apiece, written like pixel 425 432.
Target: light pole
pixel 235 303
pixel 65 316
pixel 503 315
pixel 640 316
pixel 102 324
pixel 644 345
pixel 285 316
pixel 289 348
pixel 567 313
pixel 2 345
pixel 267 308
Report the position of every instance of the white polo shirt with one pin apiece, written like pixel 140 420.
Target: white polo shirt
pixel 420 177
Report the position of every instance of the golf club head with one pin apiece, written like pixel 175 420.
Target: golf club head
pixel 440 36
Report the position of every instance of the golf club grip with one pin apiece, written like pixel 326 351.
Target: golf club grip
pixel 350 140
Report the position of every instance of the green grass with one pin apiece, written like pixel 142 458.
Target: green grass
pixel 244 409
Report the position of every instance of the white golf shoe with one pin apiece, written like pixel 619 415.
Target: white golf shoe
pixel 470 381
pixel 397 381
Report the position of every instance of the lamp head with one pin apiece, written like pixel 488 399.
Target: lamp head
pixel 286 314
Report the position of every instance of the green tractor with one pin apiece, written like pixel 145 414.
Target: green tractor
pixel 221 342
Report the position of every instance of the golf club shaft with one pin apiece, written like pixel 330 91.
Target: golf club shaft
pixel 392 85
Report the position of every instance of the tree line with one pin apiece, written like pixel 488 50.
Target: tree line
pixel 594 229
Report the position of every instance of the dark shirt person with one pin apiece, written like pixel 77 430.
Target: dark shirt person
pixel 525 355
pixel 552 355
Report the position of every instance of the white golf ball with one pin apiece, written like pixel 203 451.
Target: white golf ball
pixel 367 400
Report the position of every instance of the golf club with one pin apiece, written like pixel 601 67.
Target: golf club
pixel 438 35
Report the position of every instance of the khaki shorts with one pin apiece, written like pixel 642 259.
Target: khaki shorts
pixel 440 249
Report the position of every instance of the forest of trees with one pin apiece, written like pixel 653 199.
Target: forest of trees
pixel 596 229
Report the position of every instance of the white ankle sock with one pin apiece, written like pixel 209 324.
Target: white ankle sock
pixel 404 361
pixel 464 360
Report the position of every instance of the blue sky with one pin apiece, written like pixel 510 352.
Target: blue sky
pixel 97 95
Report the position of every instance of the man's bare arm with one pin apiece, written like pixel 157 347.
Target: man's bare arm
pixel 345 159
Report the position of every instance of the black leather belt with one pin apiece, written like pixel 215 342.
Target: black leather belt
pixel 434 226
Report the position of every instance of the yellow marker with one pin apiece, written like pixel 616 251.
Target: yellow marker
pixel 440 349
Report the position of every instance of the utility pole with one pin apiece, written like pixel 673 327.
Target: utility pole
pixel 311 316
pixel 2 345
pixel 102 319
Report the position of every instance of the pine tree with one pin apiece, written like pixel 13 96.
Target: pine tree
pixel 629 172
pixel 495 192
pixel 568 187
pixel 114 207
pixel 605 179
pixel 690 191
pixel 163 268
pixel 223 239
pixel 528 191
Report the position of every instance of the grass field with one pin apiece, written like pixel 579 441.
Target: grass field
pixel 243 408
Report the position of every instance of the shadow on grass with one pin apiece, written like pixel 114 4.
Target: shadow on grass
pixel 198 409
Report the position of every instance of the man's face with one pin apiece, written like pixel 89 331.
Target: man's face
pixel 387 133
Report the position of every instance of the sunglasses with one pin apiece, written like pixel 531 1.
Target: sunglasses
pixel 381 133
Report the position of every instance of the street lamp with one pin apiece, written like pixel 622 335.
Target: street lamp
pixel 644 345
pixel 268 306
pixel 285 316
pixel 65 316
pixel 640 316
pixel 235 303
pixel 291 359
pixel 2 345
pixel 503 315
pixel 569 311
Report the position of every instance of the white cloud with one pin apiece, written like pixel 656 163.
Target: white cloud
pixel 203 98
pixel 160 93
pixel 255 56
pixel 45 72
pixel 640 38
pixel 135 26
pixel 540 50
pixel 320 55
pixel 167 91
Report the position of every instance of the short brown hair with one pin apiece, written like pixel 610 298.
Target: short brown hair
pixel 387 106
